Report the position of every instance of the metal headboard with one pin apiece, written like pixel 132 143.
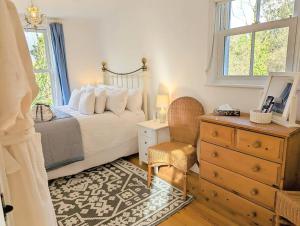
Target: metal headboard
pixel 137 79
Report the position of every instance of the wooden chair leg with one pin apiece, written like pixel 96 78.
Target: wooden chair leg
pixel 277 220
pixel 184 185
pixel 149 175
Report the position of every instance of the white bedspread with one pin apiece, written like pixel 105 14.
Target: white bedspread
pixel 105 137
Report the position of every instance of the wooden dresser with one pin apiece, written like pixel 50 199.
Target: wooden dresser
pixel 243 164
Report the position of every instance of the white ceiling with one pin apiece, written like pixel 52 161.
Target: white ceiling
pixel 70 8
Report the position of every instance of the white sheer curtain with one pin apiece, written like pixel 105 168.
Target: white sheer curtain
pixel 296 67
pixel 220 18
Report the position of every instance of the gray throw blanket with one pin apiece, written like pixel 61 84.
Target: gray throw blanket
pixel 61 140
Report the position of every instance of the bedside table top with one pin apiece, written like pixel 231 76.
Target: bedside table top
pixel 153 124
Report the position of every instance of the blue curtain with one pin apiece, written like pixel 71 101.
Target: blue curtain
pixel 58 43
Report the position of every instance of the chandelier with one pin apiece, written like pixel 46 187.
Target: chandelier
pixel 33 16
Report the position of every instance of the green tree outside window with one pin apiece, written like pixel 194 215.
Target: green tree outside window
pixel 37 46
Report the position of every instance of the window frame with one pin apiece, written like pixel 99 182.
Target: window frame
pixel 47 51
pixel 250 79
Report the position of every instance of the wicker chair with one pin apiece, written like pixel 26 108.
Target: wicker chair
pixel 288 207
pixel 180 152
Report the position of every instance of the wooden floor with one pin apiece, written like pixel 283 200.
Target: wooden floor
pixel 196 213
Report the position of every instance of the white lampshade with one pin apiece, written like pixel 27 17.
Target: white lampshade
pixel 162 100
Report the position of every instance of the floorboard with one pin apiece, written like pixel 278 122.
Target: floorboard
pixel 196 213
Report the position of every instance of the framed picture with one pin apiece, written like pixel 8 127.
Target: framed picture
pixel 280 96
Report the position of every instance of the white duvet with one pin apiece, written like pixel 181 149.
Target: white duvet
pixel 105 137
pixel 103 131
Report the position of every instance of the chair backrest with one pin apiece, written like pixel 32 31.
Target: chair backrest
pixel 183 119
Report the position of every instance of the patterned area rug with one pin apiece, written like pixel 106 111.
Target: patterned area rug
pixel 114 194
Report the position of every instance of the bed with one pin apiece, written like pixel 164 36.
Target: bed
pixel 107 137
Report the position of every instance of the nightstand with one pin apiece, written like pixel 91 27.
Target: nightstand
pixel 151 133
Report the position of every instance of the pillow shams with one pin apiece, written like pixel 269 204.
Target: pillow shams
pixel 116 101
pixel 135 100
pixel 87 103
pixel 100 101
pixel 74 99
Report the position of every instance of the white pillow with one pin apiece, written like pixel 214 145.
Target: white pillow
pixel 87 103
pixel 102 86
pixel 74 99
pixel 100 102
pixel 135 100
pixel 87 88
pixel 116 101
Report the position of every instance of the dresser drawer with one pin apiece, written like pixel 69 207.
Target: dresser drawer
pixel 217 134
pixel 260 145
pixel 254 214
pixel 251 189
pixel 255 168
pixel 145 132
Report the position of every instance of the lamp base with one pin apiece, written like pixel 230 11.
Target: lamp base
pixel 162 116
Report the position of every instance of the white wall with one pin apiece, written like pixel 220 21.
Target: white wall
pixel 173 35
pixel 82 51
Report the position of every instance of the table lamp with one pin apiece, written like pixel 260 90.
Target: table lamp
pixel 162 102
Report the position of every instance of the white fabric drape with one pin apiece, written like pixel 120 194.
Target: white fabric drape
pixel 23 175
pixel 220 21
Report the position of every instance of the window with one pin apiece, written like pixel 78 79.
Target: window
pixel 254 37
pixel 38 45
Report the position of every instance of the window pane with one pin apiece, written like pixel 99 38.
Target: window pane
pixel 242 13
pixel 44 83
pixel 276 9
pixel 37 48
pixel 237 55
pixel 270 51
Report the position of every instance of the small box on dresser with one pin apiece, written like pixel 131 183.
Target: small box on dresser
pixel 151 133
pixel 243 165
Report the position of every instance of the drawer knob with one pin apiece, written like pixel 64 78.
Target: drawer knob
pixel 257 144
pixel 146 142
pixel 214 154
pixel 215 174
pixel 254 192
pixel 145 131
pixel 253 214
pixel 214 194
pixel 215 133
pixel 146 154
pixel 256 168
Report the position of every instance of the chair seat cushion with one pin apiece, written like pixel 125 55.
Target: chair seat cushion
pixel 180 155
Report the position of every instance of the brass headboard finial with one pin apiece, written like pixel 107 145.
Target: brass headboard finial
pixel 104 66
pixel 144 61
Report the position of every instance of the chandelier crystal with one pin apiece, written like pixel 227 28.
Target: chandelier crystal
pixel 33 16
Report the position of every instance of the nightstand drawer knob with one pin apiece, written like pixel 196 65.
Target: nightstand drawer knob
pixel 145 131
pixel 146 142
pixel 146 154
